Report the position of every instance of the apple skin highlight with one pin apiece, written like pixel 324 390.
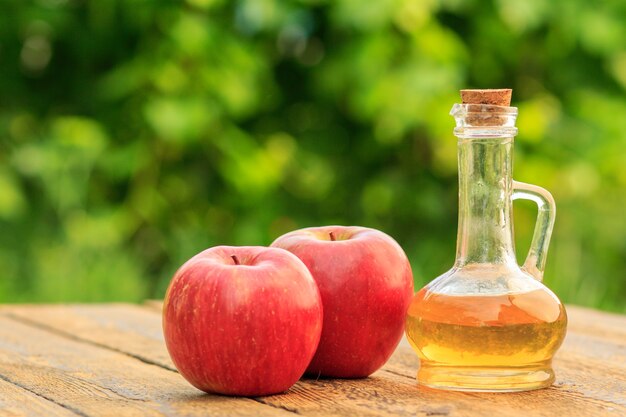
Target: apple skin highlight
pixel 366 284
pixel 242 321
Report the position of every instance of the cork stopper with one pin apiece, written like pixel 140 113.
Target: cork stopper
pixel 496 97
pixel 486 116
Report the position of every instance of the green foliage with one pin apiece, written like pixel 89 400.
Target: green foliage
pixel 134 134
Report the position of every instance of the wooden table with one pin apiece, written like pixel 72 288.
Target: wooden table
pixel 110 360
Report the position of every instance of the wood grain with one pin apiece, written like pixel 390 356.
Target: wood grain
pixel 18 402
pixel 591 379
pixel 95 381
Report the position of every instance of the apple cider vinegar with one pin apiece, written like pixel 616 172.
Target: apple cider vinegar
pixel 474 341
pixel 489 324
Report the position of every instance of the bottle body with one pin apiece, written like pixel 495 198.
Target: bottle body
pixel 498 340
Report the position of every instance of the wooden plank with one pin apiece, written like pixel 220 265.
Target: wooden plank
pixel 123 327
pixel 582 389
pixel 582 320
pixel 95 381
pixel 136 330
pixel 17 402
pixel 390 394
pixel 599 324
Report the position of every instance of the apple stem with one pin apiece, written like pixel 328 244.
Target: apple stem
pixel 235 259
pixel 332 236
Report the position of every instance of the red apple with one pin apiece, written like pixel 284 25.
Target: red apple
pixel 366 284
pixel 242 320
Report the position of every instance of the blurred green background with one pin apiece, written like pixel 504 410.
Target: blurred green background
pixel 134 134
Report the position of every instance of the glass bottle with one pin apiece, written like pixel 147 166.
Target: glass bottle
pixel 488 324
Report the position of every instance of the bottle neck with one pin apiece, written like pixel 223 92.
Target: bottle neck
pixel 485 233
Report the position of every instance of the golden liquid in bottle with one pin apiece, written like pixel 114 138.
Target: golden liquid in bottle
pixel 486 343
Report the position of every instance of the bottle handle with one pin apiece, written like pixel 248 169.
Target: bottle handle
pixel 546 211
